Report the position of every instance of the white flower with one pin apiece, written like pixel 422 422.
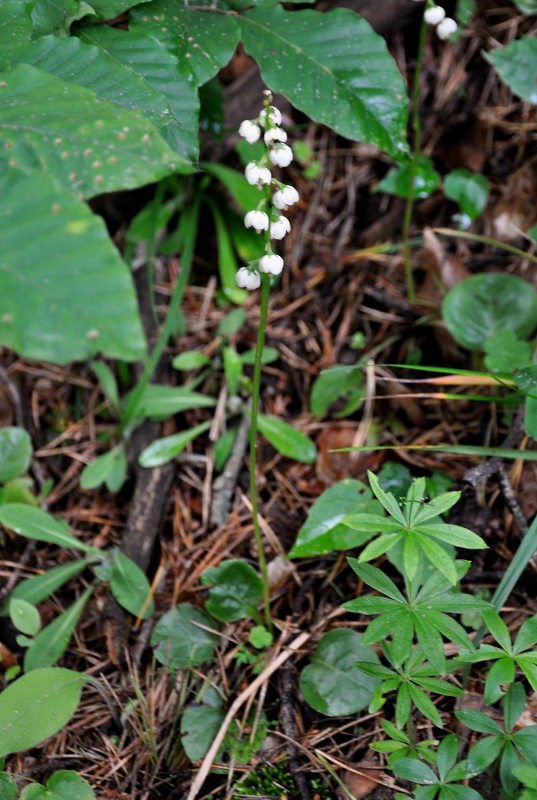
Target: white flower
pixel 281 155
pixel 257 176
pixel 245 279
pixel 256 219
pixel 446 28
pixel 275 135
pixel 275 116
pixel 279 228
pixel 271 263
pixel 249 131
pixel 434 15
pixel 287 196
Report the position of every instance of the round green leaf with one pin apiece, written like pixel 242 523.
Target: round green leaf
pixel 397 179
pixel 332 684
pixel 69 785
pixel 324 530
pixel 288 441
pixel 483 305
pixel 24 616
pixel 199 726
pixel 179 642
pixel 36 706
pixel 469 190
pixel 236 590
pixel 15 452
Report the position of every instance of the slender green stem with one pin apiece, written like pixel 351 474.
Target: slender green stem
pixel 265 291
pixel 416 130
pixel 190 222
pixel 477 237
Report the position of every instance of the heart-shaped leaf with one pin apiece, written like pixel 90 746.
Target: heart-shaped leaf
pixel 483 305
pixel 179 642
pixel 236 590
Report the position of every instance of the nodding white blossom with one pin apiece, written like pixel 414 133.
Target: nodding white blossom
pixel 256 219
pixel 275 135
pixel 281 155
pixel 256 175
pixel 446 28
pixel 434 15
pixel 279 227
pixel 274 115
pixel 271 263
pixel 245 279
pixel 284 197
pixel 249 131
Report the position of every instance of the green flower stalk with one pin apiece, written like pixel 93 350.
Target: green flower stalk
pixel 268 220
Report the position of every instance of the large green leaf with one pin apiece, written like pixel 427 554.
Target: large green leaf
pixel 483 305
pixel 36 706
pixel 332 684
pixel 203 40
pixel 515 64
pixel 52 15
pixel 66 293
pixel 146 58
pixel 199 726
pixel 91 145
pixel 15 452
pixel 324 530
pixel 86 65
pixel 335 68
pixel 15 28
pixel 63 785
pixel 106 9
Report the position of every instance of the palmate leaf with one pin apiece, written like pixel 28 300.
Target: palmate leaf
pixel 91 146
pixel 334 67
pixel 66 292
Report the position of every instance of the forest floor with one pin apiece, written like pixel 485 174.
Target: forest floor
pixel 342 299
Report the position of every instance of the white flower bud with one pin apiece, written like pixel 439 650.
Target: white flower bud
pixel 275 135
pixel 446 28
pixel 257 176
pixel 275 116
pixel 281 155
pixel 434 15
pixel 285 197
pixel 279 228
pixel 249 131
pixel 271 263
pixel 245 279
pixel 256 219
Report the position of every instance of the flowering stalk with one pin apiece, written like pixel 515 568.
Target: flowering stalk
pixel 265 219
pixel 445 26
